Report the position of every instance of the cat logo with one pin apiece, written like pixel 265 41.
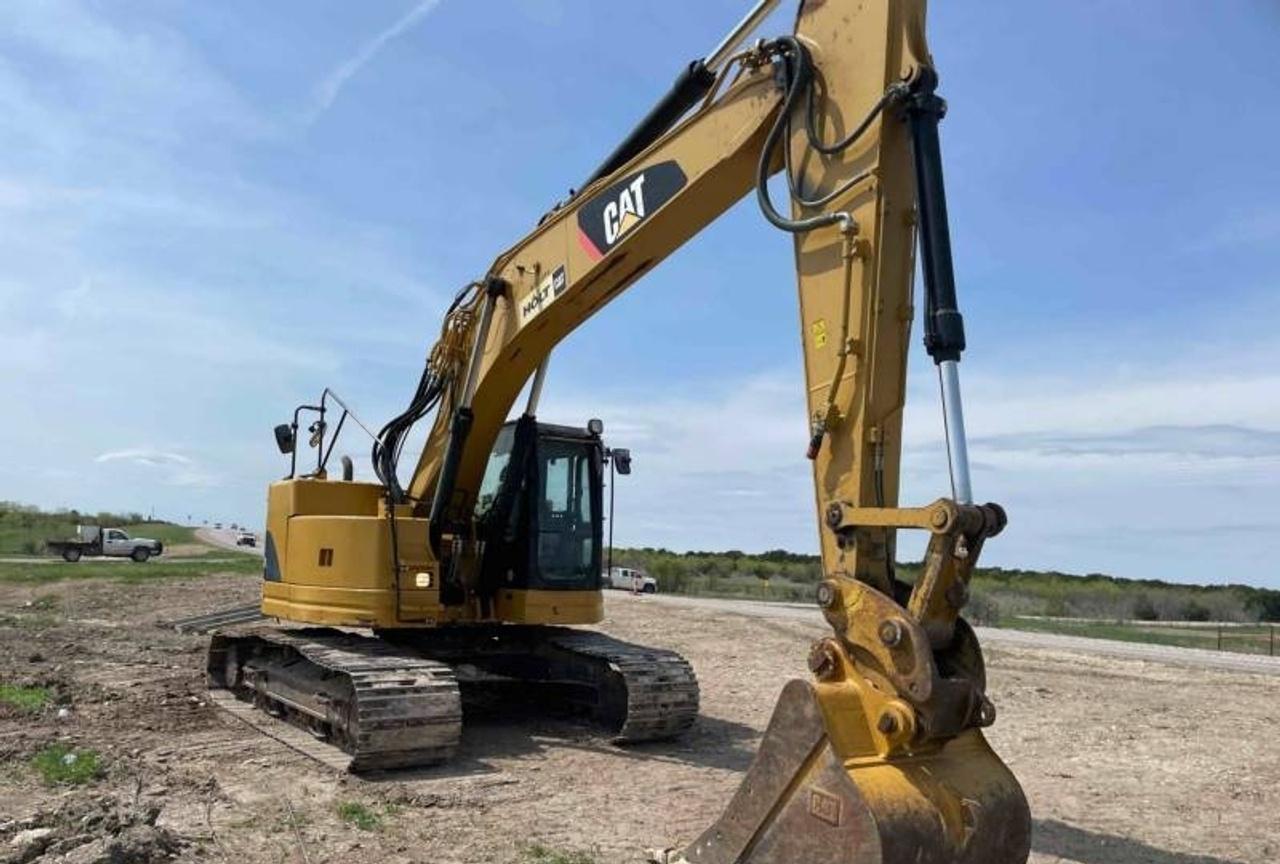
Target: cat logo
pixel 624 214
pixel 616 211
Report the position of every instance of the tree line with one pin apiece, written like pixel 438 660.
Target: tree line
pixel 996 592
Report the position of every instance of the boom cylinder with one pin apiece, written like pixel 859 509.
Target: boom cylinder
pixel 943 323
pixel 957 444
pixel 689 89
pixel 535 388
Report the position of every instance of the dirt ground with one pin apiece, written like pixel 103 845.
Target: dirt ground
pixel 1125 762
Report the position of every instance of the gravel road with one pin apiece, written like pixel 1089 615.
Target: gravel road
pixel 1223 661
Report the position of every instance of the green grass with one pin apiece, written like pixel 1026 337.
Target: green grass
pixel 58 764
pixel 127 571
pixel 359 815
pixel 536 853
pixel 30 699
pixel 23 532
pixel 1242 640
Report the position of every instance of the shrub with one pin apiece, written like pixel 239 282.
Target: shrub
pixel 982 610
pixel 1195 611
pixel 1144 609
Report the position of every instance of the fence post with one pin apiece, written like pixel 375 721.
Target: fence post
pixel 1273 640
pixel 1219 637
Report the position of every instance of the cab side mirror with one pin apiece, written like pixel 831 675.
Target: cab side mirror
pixel 285 438
pixel 621 460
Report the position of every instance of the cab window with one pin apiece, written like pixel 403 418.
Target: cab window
pixel 495 472
pixel 566 539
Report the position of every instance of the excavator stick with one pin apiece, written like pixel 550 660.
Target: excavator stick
pixel 881 758
pixel 806 798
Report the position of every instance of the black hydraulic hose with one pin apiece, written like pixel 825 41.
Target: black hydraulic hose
pixel 386 449
pixel 391 438
pixel 459 429
pixel 798 66
pixel 895 93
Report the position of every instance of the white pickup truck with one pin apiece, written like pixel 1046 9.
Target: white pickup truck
pixel 630 579
pixel 93 541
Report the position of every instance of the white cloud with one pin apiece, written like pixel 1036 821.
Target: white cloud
pixel 156 289
pixel 712 470
pixel 170 467
pixel 327 91
pixel 143 456
pixel 1211 443
pixel 1091 470
pixel 145 84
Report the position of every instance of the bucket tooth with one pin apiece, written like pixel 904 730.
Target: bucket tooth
pixel 801 801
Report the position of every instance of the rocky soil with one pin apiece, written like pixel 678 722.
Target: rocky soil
pixel 1125 762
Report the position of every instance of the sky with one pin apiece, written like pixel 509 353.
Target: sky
pixel 211 211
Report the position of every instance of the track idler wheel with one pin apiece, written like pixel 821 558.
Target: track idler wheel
pixel 803 802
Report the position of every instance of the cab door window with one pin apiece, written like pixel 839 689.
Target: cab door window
pixel 495 473
pixel 566 539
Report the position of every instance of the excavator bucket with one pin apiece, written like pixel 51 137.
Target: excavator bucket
pixel 803 802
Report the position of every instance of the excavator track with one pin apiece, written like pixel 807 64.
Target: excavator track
pixel 395 700
pixel 643 694
pixel 384 708
pixel 629 692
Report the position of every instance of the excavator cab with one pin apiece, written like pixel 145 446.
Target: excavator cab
pixel 538 512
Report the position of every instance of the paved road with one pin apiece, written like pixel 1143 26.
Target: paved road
pixel 1223 661
pixel 225 538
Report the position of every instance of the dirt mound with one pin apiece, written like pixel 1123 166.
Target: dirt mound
pixel 91 830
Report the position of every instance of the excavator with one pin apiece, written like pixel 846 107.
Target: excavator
pixel 395 602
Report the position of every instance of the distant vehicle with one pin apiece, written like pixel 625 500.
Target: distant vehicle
pixel 630 579
pixel 235 527
pixel 217 525
pixel 246 538
pixel 95 541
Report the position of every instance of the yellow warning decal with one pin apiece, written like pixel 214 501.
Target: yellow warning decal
pixel 818 329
